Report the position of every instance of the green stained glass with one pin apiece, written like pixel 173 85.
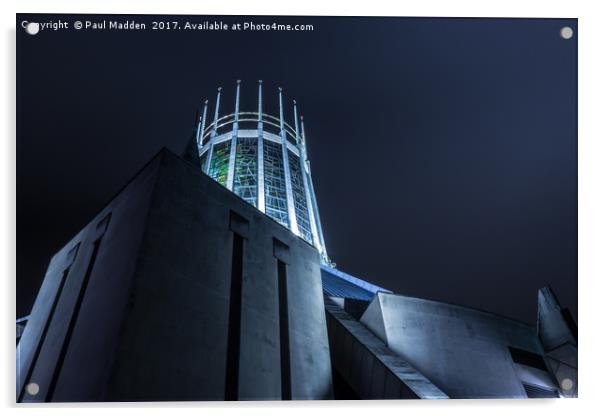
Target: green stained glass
pixel 220 158
pixel 245 170
pixel 275 186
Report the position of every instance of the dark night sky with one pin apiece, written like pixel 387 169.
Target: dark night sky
pixel 444 151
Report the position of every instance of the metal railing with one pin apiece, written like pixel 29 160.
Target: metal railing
pixel 249 116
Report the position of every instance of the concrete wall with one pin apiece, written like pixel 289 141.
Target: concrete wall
pixel 462 351
pixel 73 351
pixel 157 321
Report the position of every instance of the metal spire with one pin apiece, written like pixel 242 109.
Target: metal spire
pixel 201 128
pixel 290 202
pixel 237 105
pixel 297 138
pixel 302 130
pixel 281 111
pixel 216 116
pixel 260 105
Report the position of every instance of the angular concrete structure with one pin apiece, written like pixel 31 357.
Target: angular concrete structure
pixel 445 350
pixel 558 334
pixel 463 351
pixel 365 368
pixel 178 290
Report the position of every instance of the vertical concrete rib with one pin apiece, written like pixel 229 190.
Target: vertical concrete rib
pixel 290 202
pixel 199 136
pixel 214 130
pixel 319 237
pixel 216 114
pixel 310 209
pixel 232 160
pixel 260 175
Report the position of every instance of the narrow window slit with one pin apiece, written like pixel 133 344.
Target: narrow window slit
pixel 73 321
pixel 38 349
pixel 285 367
pixel 233 349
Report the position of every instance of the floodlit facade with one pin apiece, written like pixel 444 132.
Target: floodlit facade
pixel 180 289
pixel 262 159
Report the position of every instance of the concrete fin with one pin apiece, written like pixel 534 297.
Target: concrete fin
pixel 373 318
pixel 553 328
pixel 558 335
pixel 411 383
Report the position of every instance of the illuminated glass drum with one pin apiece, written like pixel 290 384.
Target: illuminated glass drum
pixel 264 163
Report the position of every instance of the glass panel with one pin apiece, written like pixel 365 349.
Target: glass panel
pixel 219 162
pixel 275 186
pixel 204 161
pixel 245 170
pixel 301 211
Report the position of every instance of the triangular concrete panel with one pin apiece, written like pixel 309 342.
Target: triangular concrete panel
pixel 373 318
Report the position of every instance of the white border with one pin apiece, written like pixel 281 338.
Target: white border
pixel 590 189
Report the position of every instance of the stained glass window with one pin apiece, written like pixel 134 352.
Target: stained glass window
pixel 301 211
pixel 275 186
pixel 245 170
pixel 218 169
